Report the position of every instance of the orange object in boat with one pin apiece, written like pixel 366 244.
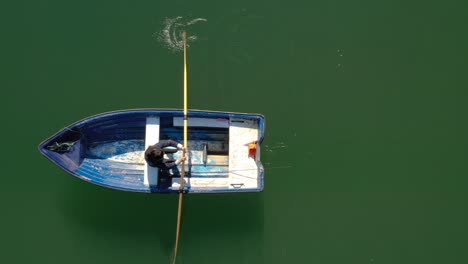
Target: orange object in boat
pixel 252 149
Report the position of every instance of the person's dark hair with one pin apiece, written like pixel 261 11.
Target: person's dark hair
pixel 153 155
pixel 156 154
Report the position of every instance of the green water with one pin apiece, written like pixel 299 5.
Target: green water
pixel 366 134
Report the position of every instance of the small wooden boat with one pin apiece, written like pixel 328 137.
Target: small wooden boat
pixel 108 150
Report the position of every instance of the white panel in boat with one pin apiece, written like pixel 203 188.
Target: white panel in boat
pixel 151 138
pixel 243 170
pixel 202 122
pixel 201 182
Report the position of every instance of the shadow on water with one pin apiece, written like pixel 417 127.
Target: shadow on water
pixel 150 219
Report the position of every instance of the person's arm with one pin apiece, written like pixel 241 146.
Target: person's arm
pixel 177 145
pixel 167 143
pixel 172 164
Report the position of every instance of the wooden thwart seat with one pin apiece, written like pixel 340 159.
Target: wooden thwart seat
pixel 202 122
pixel 151 138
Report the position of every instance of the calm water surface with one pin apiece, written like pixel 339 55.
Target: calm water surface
pixel 366 137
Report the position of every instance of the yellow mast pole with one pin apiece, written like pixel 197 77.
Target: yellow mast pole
pixel 182 174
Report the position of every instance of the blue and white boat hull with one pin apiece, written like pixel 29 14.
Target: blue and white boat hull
pixel 107 150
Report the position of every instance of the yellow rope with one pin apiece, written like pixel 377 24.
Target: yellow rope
pixel 182 174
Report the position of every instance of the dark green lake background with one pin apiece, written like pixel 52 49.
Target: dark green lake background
pixel 366 129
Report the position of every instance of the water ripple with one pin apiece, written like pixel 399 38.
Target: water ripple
pixel 171 34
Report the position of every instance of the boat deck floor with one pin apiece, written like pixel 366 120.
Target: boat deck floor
pixel 121 164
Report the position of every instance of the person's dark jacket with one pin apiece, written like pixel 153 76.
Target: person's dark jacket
pixel 151 154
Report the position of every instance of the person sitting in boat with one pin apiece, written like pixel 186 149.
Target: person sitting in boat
pixel 154 155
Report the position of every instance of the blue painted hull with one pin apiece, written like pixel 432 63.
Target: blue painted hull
pixel 107 149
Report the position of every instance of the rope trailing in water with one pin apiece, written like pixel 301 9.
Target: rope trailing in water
pixel 182 174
